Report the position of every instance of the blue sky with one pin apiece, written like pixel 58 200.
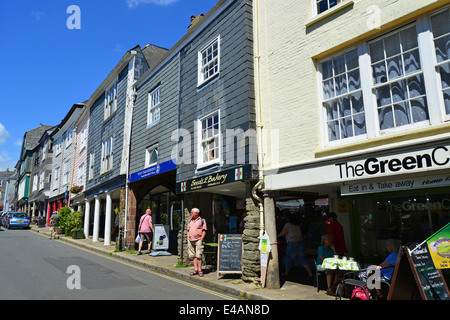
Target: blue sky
pixel 45 67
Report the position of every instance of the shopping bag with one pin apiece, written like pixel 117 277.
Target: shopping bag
pixel 138 239
pixel 359 293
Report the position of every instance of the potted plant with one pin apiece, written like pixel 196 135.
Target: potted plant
pixel 64 222
pixel 76 189
pixel 76 223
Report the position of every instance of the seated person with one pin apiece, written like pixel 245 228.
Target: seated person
pixel 326 250
pixel 386 268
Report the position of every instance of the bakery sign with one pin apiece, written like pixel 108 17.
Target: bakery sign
pixel 215 179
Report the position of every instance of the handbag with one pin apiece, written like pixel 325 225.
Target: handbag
pixel 359 293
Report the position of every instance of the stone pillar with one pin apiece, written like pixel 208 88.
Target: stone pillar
pixel 87 216
pixel 108 213
pixel 130 224
pixel 273 268
pixel 251 266
pixel 96 219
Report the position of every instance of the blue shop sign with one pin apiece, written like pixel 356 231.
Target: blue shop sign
pixel 154 170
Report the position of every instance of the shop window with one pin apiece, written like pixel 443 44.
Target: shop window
pixel 406 219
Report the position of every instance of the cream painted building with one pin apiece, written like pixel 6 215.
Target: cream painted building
pixel 354 101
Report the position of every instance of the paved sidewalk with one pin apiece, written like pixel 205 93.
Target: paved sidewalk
pixel 228 284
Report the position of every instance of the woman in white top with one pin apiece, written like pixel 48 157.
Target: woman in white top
pixel 295 246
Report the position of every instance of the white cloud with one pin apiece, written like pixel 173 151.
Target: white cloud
pixel 4 134
pixel 134 3
pixel 6 161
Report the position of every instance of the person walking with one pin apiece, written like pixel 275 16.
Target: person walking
pixel 146 230
pixel 196 232
pixel 295 250
pixel 54 223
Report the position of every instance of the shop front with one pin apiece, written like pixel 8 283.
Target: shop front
pixel 402 194
pixel 154 188
pixel 226 203
pixel 221 198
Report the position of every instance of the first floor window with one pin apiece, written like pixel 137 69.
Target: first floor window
pixel 42 181
pixel 107 155
pixel 210 139
pixel 80 178
pixel 382 86
pixel 91 165
pixel 440 24
pixel 398 80
pixel 151 156
pixel 343 96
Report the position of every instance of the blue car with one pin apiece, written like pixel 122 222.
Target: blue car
pixel 17 220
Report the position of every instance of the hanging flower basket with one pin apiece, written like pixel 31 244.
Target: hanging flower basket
pixel 76 189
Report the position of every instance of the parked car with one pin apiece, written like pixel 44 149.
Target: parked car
pixel 17 220
pixel 3 218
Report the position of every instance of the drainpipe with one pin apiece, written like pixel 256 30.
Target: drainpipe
pixel 134 95
pixel 259 124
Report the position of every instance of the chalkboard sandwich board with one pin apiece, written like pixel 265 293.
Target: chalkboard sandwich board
pixel 229 254
pixel 416 278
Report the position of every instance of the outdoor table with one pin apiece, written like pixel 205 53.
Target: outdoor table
pixel 341 264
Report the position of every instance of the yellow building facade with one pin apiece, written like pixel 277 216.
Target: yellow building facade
pixel 353 98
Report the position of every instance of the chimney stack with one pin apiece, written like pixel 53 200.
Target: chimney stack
pixel 195 20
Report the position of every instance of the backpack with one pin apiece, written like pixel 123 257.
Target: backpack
pixel 203 221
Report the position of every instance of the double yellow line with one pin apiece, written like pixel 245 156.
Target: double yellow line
pixel 194 286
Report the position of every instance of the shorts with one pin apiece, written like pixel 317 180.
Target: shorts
pixel 195 249
pixel 53 228
pixel 146 236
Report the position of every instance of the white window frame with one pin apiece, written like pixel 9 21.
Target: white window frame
pixel 202 78
pixel 110 105
pixel 66 174
pixel 83 137
pixel 429 73
pixel 315 2
pixel 80 175
pixel 217 159
pixel 42 181
pixel 91 165
pixel 148 156
pixel 35 182
pixel 44 151
pixel 107 155
pixel 439 64
pixel 154 109
pixel 56 178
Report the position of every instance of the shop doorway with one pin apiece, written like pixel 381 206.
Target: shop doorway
pixel 311 213
pixel 166 210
